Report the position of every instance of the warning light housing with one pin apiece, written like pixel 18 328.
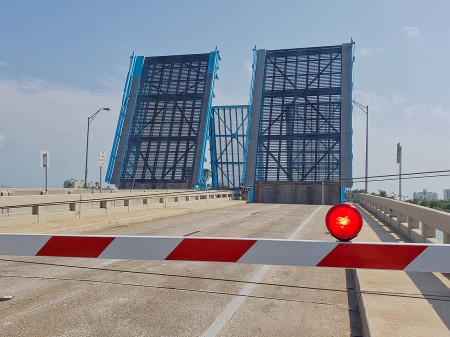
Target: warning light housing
pixel 344 222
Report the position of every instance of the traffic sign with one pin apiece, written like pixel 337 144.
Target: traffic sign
pixel 102 158
pixel 45 159
pixel 399 153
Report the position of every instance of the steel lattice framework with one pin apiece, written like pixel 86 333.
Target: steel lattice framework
pixel 168 128
pixel 299 135
pixel 228 147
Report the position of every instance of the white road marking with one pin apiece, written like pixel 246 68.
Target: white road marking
pixel 224 317
pixel 303 224
pixel 107 263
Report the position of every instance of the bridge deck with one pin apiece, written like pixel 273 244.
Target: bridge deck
pixel 61 296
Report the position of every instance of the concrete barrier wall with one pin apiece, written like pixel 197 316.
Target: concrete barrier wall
pixel 5 192
pixel 292 192
pixel 416 222
pixel 31 209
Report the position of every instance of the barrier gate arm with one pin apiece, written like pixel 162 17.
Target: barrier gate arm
pixel 394 256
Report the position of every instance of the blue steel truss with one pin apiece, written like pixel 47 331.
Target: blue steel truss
pixel 299 135
pixel 252 90
pixel 135 69
pixel 213 67
pixel 166 129
pixel 229 145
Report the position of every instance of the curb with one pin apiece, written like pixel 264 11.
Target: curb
pixel 115 223
pixel 361 308
pixel 135 220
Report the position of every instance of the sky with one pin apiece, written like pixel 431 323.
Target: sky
pixel 61 61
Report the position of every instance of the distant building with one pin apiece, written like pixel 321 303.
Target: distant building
pixel 72 183
pixel 447 194
pixel 425 195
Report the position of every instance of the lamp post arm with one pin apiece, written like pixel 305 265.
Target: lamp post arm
pixel 365 109
pixel 362 107
pixel 91 118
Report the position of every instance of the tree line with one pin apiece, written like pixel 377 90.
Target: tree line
pixel 441 205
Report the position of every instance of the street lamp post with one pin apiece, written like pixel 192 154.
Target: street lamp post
pixel 365 109
pixel 90 119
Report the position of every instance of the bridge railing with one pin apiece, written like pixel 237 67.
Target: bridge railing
pixel 418 223
pixel 31 209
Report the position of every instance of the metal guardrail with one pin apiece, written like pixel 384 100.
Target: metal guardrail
pixel 418 223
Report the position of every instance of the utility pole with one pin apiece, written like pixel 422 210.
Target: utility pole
pixel 399 161
pixel 367 150
pixel 90 119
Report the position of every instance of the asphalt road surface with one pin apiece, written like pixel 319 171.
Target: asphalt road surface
pixel 93 297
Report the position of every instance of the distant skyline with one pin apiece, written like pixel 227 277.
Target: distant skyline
pixel 62 61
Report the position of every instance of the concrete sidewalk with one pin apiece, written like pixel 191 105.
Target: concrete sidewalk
pixel 79 226
pixel 397 303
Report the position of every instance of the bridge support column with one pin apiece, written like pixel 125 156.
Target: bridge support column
pixel 393 214
pixel 387 215
pixel 127 203
pixel 446 238
pixel 76 208
pixel 428 232
pixel 412 232
pixel 378 211
pixel 401 218
pixel 104 204
pixel 402 223
pixel 38 210
pixel 413 223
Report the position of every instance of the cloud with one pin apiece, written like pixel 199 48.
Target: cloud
pixel 412 31
pixel 224 98
pixel 420 127
pixel 399 109
pixel 413 35
pixel 4 64
pixel 370 51
pixel 110 83
pixel 42 115
pixel 2 140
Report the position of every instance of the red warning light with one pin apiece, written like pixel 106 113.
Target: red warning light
pixel 344 222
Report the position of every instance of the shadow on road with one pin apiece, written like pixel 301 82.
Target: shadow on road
pixel 353 310
pixel 427 283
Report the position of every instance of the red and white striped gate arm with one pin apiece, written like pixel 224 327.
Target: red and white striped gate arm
pixel 408 257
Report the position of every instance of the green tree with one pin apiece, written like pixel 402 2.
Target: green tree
pixel 424 202
pixel 434 203
pixel 382 193
pixel 206 174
